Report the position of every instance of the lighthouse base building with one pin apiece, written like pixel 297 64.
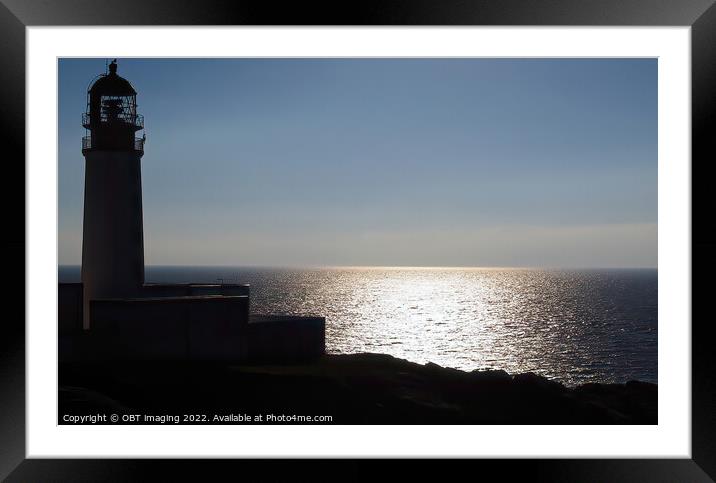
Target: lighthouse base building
pixel 199 322
pixel 112 314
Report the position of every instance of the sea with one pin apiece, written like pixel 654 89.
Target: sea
pixel 573 326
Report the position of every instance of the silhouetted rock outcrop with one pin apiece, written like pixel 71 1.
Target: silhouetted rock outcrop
pixel 353 389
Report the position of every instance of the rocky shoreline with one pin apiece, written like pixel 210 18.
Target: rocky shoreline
pixel 351 389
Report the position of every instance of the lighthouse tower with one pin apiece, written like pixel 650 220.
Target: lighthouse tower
pixel 112 238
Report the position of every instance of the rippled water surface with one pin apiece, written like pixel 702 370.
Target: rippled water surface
pixel 574 326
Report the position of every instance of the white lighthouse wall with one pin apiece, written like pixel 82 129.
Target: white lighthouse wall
pixel 112 242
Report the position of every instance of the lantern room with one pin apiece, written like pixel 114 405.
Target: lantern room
pixel 111 119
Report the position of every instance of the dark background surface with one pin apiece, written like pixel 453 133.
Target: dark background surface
pixel 367 12
pixel 583 471
pixel 16 14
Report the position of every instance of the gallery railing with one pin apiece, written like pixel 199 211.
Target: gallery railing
pixel 87 144
pixel 136 120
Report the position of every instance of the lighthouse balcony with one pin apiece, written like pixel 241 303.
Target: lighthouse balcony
pixel 135 120
pixel 87 145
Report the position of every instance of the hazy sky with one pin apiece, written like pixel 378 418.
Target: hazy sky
pixel 422 162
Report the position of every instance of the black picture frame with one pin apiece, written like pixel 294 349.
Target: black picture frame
pixel 16 15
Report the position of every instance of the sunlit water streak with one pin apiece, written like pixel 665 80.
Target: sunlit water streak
pixel 573 326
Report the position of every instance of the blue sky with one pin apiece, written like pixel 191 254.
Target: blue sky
pixel 420 162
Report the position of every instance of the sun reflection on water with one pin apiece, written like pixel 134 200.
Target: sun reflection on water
pixel 575 326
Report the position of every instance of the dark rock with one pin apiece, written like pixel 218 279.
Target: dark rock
pixel 353 389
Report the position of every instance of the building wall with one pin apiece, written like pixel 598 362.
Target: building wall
pixel 197 328
pixel 209 328
pixel 285 338
pixel 69 308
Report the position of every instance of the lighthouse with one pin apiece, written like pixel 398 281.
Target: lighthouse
pixel 112 237
pixel 113 314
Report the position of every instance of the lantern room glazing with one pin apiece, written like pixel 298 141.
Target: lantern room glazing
pixel 111 119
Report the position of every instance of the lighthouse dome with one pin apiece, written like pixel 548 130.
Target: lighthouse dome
pixel 112 84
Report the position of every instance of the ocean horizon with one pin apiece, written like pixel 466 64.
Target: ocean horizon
pixel 571 325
